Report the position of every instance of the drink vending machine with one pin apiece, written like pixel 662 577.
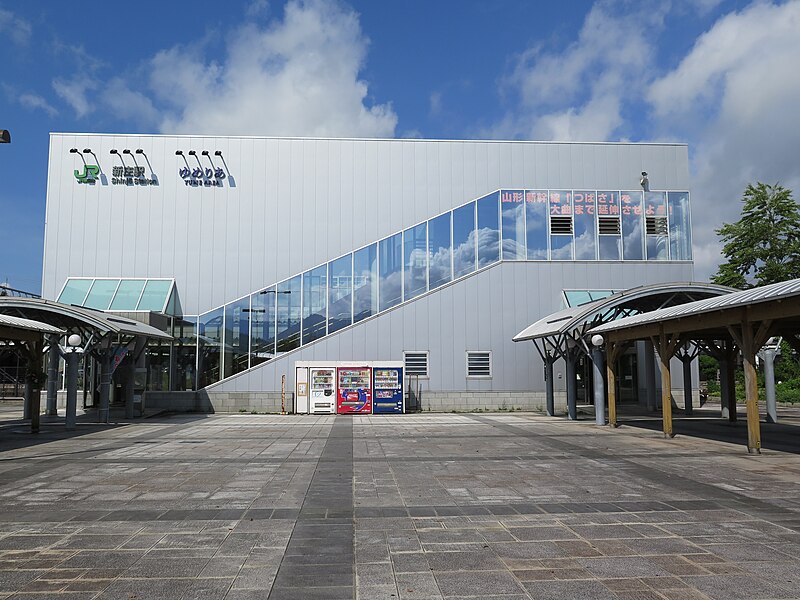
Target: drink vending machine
pixel 354 386
pixel 387 385
pixel 323 391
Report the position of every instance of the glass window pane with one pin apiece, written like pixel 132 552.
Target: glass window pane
pixel 391 267
pixel 209 333
pixel 609 246
pixel 577 297
pixel 512 210
pixel 585 222
pixel 561 247
pixel 315 303
pixel 655 205
pixel 680 229
pixel 365 283
pixel 75 291
pixel 185 333
pixel 100 295
pixel 488 230
pixel 262 328
pixel 464 240
pixel 536 223
pixel 439 251
pixel 340 293
pixel 155 295
pixel 415 260
pixel 632 226
pixel 288 315
pixel 127 296
pixel 237 337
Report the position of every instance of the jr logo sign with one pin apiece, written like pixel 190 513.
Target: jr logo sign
pixel 89 174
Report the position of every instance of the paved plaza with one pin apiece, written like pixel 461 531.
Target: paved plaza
pixel 412 507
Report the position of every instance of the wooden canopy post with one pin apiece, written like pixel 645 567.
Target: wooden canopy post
pixel 666 348
pixel 613 350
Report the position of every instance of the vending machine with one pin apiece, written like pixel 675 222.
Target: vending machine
pixel 354 387
pixel 323 390
pixel 300 389
pixel 387 386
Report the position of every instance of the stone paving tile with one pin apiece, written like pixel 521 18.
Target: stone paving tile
pixel 416 506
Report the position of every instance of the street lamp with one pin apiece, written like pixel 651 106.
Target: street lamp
pixel 5 136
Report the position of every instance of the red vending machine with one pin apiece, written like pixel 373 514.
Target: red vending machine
pixel 354 390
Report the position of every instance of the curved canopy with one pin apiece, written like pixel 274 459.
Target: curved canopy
pixel 66 316
pixel 574 322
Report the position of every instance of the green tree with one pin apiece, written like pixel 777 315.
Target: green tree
pixel 763 246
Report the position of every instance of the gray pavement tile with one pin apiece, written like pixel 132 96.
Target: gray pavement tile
pixel 307 593
pixel 621 567
pixel 410 562
pixel 481 584
pixel 166 567
pixel 529 534
pixel 255 578
pixel 155 589
pixel 417 585
pixel 535 550
pixel 485 560
pixel 738 587
pixel 377 592
pixel 374 574
pixel 94 559
pixel 574 590
pixel 207 589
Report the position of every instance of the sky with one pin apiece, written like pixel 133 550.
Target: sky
pixel 721 76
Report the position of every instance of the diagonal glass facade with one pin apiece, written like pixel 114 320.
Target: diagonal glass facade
pixel 506 225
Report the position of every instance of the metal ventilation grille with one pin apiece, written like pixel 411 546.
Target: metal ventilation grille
pixel 560 225
pixel 416 363
pixel 479 364
pixel 656 225
pixel 609 225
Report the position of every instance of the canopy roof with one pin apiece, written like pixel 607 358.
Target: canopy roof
pixel 576 321
pixel 65 317
pixel 769 297
pixel 28 325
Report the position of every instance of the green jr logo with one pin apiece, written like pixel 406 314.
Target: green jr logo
pixel 89 174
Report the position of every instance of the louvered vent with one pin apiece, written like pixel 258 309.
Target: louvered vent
pixel 479 364
pixel 656 225
pixel 609 225
pixel 416 363
pixel 560 225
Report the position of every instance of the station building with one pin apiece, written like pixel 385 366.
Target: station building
pixel 257 253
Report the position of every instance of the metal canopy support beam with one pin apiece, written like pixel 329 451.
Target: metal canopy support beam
pixel 572 385
pixel 599 387
pixel 105 385
pixel 769 384
pixel 613 350
pixel 71 375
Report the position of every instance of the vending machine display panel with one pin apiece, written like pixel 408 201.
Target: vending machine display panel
pixel 354 390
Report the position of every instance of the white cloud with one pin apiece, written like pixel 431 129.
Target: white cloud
pixel 577 93
pixel 297 76
pixel 736 94
pixel 34 101
pixel 75 93
pixel 15 28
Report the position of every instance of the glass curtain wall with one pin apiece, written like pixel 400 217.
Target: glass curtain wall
pixel 262 326
pixel 585 220
pixel 288 315
pixel 184 330
pixel 464 241
pixel 488 230
pixel 391 271
pixel 680 231
pixel 632 226
pixel 536 224
pixel 237 337
pixel 209 346
pixel 439 250
pixel 100 295
pixel 128 294
pixel 340 293
pixel 512 214
pixel 365 282
pixel 315 303
pixel 415 261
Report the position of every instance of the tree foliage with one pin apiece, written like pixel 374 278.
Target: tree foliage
pixel 763 246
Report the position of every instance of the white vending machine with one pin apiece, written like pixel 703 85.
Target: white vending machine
pixel 323 390
pixel 300 389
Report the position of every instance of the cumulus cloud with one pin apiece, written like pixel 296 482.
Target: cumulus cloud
pixel 14 27
pixel 735 94
pixel 75 92
pixel 577 93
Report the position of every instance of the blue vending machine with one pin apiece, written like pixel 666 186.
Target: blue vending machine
pixel 387 389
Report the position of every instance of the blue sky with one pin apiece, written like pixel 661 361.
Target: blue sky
pixel 719 75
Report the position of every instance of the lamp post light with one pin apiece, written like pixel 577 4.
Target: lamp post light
pixel 597 376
